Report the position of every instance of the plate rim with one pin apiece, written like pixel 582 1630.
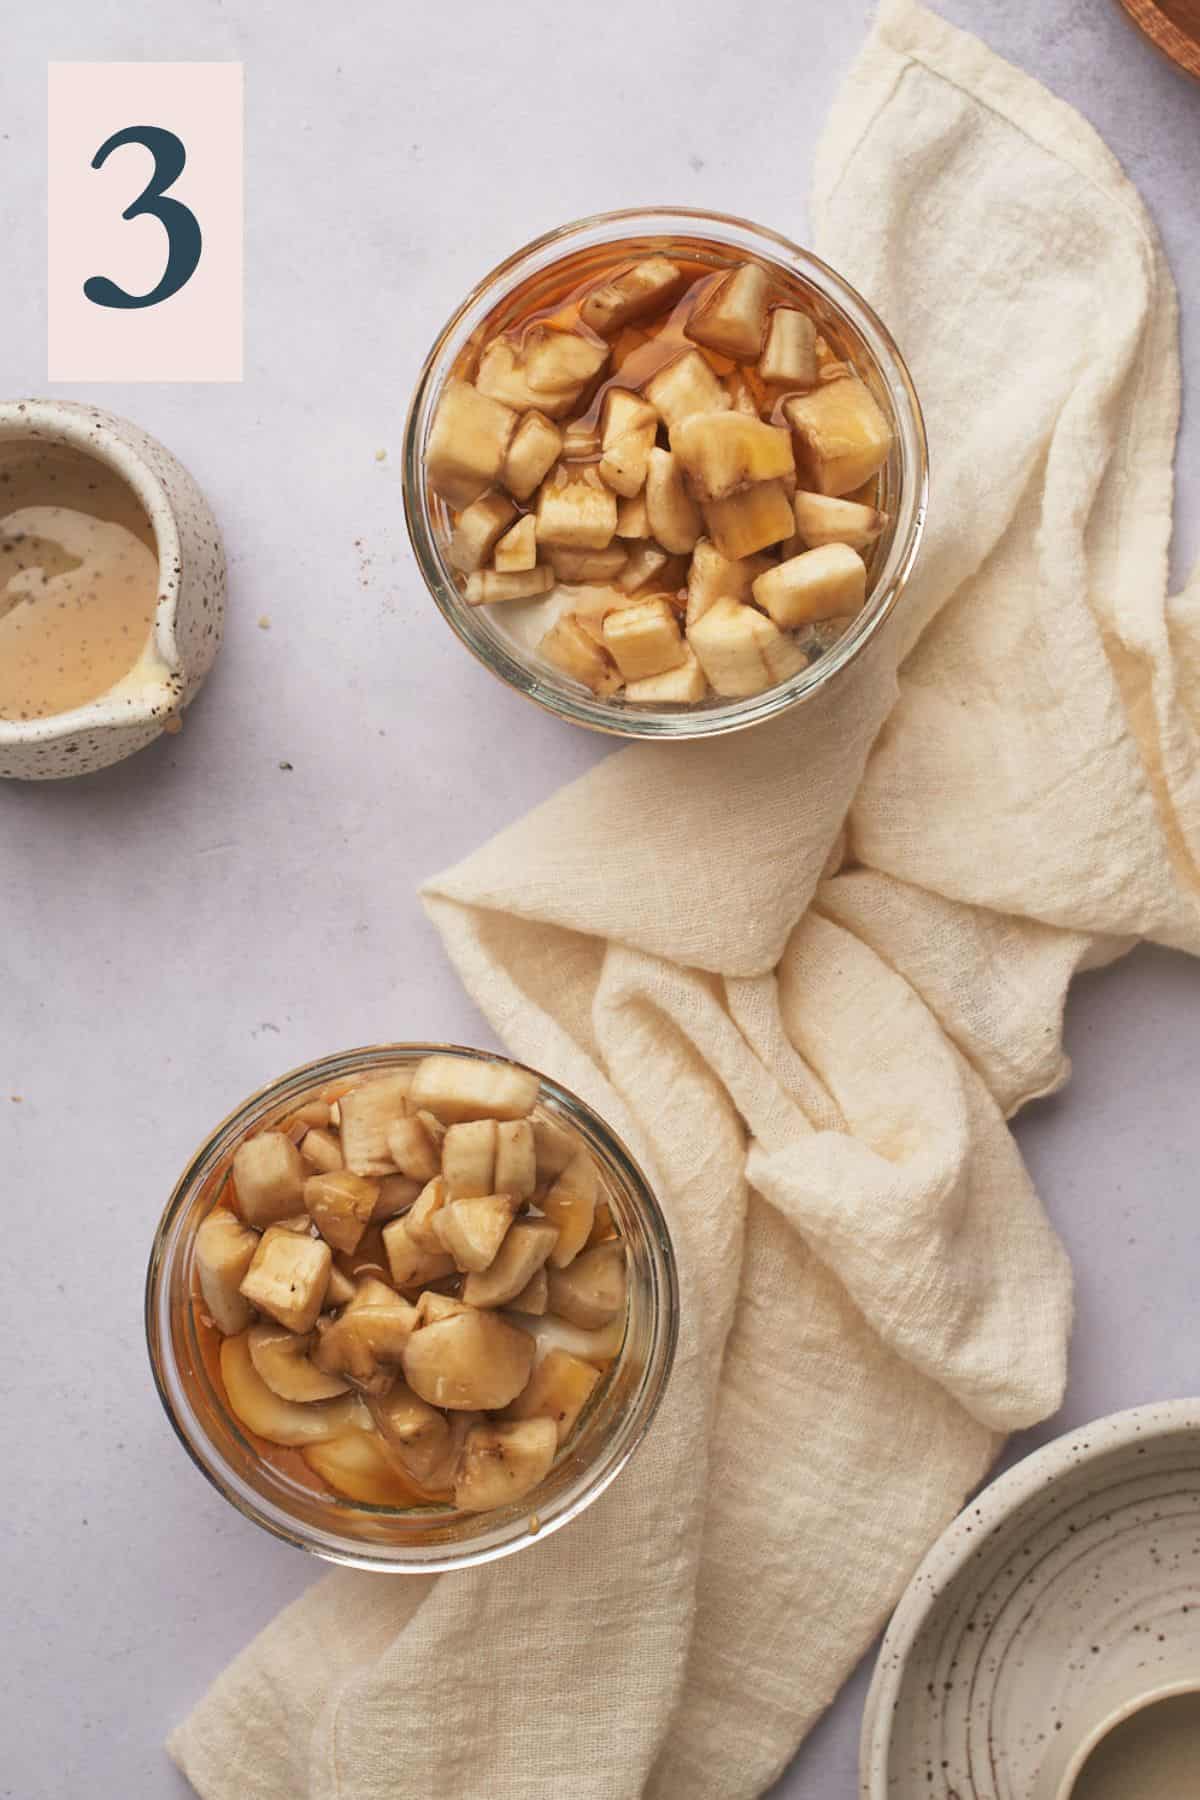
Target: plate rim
pixel 956 1547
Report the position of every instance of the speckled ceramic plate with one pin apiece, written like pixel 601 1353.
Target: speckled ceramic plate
pixel 1075 1573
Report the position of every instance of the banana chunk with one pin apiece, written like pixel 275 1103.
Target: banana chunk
pixel 644 639
pixel 321 1150
pixel 572 648
pixel 341 1205
pixel 467 443
pixel 817 584
pixel 268 1178
pixel 842 437
pixel 559 1388
pixel 743 523
pixel 534 1297
pixel 516 1159
pixel 591 1291
pixel 225 1248
pixel 469 1159
pixel 460 1088
pixel 741 652
pixel 589 565
pixel 547 371
pixel 418 1434
pixel 288 1277
pixel 570 1206
pixel 674 519
pixel 488 586
pixel 722 453
pixel 281 1358
pixel 472 1231
pixel 415 1146
pixel 575 510
pixel 516 551
pixel 820 519
pixel 646 563
pixel 687 683
pixel 524 1251
pixel 503 1463
pixel 409 1263
pixel 367 1340
pixel 367 1112
pixel 686 386
pixel 471 1362
pixel 478 529
pixel 733 317
pixel 790 353
pixel 535 448
pixel 642 288
pixel 269 1416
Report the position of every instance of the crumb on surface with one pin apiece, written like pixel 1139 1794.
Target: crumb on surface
pixel 17 1099
pixel 173 726
pixel 264 621
pixel 285 765
pixel 381 456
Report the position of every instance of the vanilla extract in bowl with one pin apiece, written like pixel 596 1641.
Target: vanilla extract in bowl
pixel 78 581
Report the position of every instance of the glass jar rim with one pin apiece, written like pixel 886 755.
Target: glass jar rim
pixel 535 682
pixel 172 1238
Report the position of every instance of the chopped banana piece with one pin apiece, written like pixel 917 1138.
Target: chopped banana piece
pixel 817 584
pixel 432 1306
pixel 589 565
pixel 281 1359
pixel 269 1416
pixel 471 1362
pixel 624 464
pixel 288 1277
pixel 341 1206
pixel 623 412
pixel 603 1230
pixel 415 1146
pixel 570 1205
pixel 321 1150
pixel 503 1463
pixel 721 453
pixel 396 1195
pixel 598 1347
pixel 581 441
pixel 477 530
pixel 741 394
pixel 533 1297
pixel 367 1112
pixel 409 1263
pixel 732 317
pixel 503 376
pixel 674 519
pixel 686 386
pixel 575 510
pixel 741 652
pixel 842 437
pixel 632 521
pixel 559 1388
pixel 823 520
pixel 516 1159
pixel 642 288
pixel 790 352
pixel 489 586
pixel 646 564
pixel 516 552
pixel 469 1159
pixel 571 648
pixel 301 1223
pixel 340 1291
pixel 225 1248
pixel 751 520
pixel 523 1252
pixel 644 639
pixel 357 1466
pixel 592 1290
pixel 555 1146
pixel 473 1230
pixel 425 1209
pixel 715 577
pixel 686 683
pixel 467 443
pixel 418 1434
pixel 313 1112
pixel 268 1178
pixel 561 362
pixel 459 1088
pixel 535 448
pixel 369 1336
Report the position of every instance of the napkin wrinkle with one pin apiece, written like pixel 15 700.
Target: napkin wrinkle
pixel 806 973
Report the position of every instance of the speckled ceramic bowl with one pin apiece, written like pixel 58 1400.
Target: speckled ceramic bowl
pixel 191 596
pixel 1065 1597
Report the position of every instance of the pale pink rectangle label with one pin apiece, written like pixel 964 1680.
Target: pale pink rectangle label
pixel 142 120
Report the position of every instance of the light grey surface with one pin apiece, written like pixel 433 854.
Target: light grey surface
pixel 175 931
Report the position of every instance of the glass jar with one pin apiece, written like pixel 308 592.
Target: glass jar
pixel 532 275
pixel 428 1538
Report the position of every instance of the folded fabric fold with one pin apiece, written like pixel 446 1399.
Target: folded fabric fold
pixel 808 973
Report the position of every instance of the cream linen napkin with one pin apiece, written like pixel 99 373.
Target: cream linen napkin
pixel 808 973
